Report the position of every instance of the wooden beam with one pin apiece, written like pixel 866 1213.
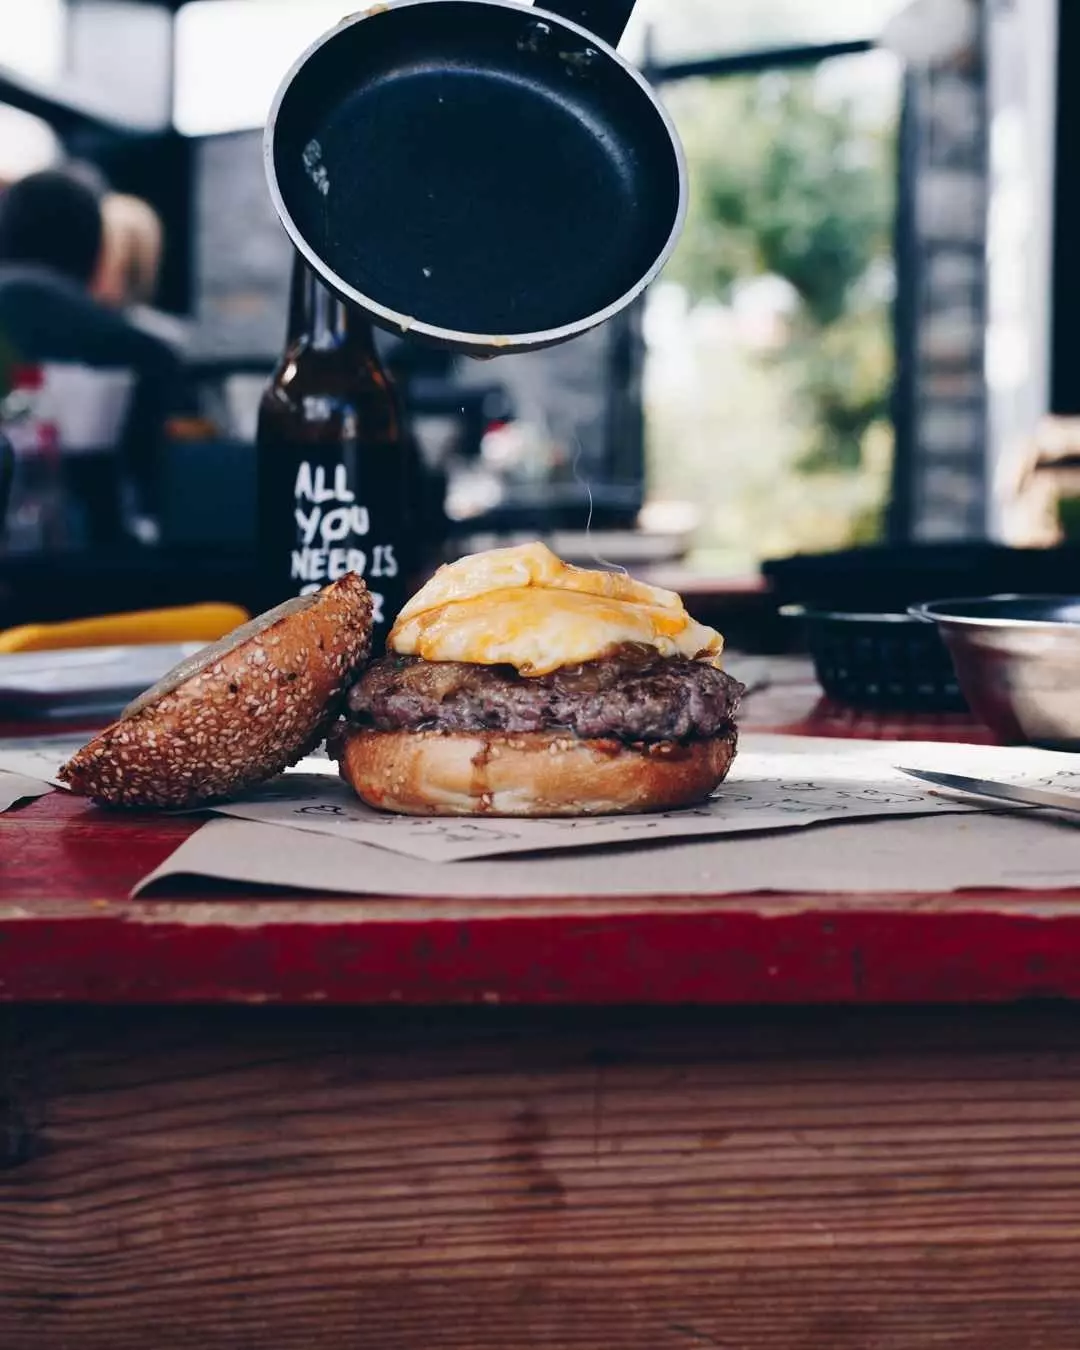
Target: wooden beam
pixel 679 1181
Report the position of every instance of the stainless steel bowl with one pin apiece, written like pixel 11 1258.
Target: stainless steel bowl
pixel 1017 661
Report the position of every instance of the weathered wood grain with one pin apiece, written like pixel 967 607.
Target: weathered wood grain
pixel 293 1181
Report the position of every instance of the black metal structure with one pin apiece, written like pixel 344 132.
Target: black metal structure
pixel 66 115
pixel 901 513
pixel 760 60
pixel 1065 283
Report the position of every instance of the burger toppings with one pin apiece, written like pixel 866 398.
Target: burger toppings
pixel 633 694
pixel 523 607
pixel 514 685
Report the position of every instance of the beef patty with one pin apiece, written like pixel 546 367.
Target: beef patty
pixel 632 695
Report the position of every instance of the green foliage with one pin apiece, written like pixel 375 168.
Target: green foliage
pixel 785 183
pixel 846 369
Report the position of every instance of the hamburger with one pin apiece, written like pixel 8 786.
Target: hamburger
pixel 513 684
pixel 517 685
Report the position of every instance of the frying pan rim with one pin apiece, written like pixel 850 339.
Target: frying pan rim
pixel 492 343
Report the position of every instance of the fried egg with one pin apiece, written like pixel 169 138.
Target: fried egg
pixel 526 608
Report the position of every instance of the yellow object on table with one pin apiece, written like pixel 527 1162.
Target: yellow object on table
pixel 186 623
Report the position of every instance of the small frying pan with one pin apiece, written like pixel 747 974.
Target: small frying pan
pixel 480 173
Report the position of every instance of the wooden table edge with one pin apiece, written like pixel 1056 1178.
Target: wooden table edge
pixel 985 946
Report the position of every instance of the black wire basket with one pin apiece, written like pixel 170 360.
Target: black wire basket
pixel 886 661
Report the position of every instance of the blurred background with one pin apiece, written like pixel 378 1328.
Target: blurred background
pixel 859 340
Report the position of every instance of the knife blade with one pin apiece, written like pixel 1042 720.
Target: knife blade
pixel 1010 792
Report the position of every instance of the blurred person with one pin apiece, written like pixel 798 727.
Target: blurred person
pixel 129 266
pixel 106 386
pixel 86 173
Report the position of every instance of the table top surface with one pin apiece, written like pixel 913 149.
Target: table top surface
pixel 69 931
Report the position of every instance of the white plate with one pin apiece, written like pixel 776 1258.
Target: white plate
pixel 84 680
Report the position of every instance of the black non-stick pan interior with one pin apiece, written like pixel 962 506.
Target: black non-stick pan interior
pixel 475 168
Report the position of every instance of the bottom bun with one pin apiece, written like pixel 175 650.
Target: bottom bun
pixel 425 773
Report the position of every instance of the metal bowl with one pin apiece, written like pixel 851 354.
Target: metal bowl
pixel 1017 661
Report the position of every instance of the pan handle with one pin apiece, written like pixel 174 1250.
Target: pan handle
pixel 606 18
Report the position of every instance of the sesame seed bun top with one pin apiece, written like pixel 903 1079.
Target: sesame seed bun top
pixel 237 712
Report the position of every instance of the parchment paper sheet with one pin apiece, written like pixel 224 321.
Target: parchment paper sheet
pixel 15 788
pixel 928 854
pixel 776 783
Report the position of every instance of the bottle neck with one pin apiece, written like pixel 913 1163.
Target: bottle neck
pixel 320 317
pixel 328 321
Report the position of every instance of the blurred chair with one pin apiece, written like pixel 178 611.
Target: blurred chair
pixel 7 473
pixel 193 515
pixel 64 492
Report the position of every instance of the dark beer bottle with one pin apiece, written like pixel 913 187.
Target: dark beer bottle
pixel 333 460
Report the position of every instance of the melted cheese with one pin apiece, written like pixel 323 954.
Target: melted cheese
pixel 526 608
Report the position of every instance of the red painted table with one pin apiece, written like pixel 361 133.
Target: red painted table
pixel 184 1169
pixel 68 930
